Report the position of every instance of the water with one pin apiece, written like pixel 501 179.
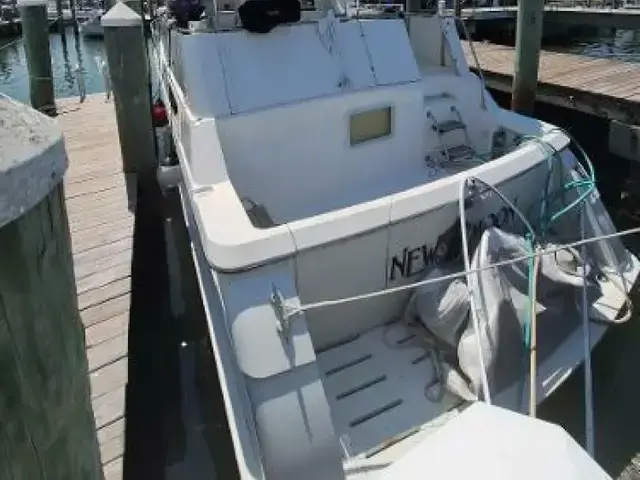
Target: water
pixel 605 43
pixel 67 52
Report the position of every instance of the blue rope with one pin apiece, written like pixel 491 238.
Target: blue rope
pixel 584 188
pixel 526 330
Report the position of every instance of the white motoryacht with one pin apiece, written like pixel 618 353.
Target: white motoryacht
pixel 349 186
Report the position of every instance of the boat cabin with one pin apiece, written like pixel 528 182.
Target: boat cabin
pixel 323 160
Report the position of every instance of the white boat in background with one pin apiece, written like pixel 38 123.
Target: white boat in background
pixel 92 27
pixel 349 186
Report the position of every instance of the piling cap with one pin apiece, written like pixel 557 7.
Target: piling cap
pixel 120 15
pixel 32 158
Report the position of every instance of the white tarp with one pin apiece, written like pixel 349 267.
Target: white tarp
pixel 503 305
pixel 488 442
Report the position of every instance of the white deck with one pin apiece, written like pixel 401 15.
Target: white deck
pixel 375 386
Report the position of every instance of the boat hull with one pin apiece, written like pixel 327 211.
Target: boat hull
pixel 321 394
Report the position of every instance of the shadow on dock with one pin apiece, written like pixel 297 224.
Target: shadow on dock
pixel 176 427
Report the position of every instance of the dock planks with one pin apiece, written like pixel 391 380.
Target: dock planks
pixel 102 240
pixel 599 86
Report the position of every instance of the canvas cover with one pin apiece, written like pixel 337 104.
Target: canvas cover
pixel 501 297
pixel 502 300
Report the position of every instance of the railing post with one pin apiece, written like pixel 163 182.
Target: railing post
pixel 528 40
pixel 35 33
pixel 47 420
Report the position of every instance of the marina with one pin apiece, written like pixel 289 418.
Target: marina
pixel 604 87
pixel 69 54
pixel 153 419
pixel 561 13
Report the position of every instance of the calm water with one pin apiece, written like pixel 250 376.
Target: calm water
pixel 606 43
pixel 67 52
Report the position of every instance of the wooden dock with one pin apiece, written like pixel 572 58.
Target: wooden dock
pixel 102 240
pixel 598 86
pixel 563 13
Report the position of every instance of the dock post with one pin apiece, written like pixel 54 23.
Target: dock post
pixel 35 33
pixel 74 18
pixel 528 40
pixel 48 422
pixel 129 73
pixel 59 16
pixel 457 9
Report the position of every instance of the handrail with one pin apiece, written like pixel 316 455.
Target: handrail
pixel 477 62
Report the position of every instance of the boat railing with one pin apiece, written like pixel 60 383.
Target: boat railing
pixel 460 21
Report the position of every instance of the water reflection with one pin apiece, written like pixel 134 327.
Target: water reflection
pixel 606 43
pixel 68 73
pixel 10 54
pixel 69 51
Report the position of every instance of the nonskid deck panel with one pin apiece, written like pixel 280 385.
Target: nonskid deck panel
pixel 375 386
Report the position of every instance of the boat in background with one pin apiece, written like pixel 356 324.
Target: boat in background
pixel 378 244
pixel 92 27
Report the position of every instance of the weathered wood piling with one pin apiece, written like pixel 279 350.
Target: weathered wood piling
pixel 528 41
pixel 129 73
pixel 47 421
pixel 35 32
pixel 74 17
pixel 59 16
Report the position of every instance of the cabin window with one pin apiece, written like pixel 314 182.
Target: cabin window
pixel 369 125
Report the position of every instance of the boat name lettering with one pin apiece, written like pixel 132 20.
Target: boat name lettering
pixel 448 246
